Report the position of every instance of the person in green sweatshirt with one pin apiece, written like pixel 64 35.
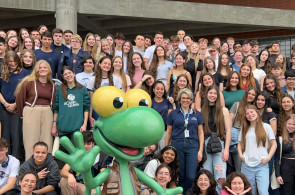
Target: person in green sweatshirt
pixel 71 106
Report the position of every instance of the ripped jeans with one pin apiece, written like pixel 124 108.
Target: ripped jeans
pixel 214 162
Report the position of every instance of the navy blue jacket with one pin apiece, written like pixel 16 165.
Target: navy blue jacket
pixel 67 59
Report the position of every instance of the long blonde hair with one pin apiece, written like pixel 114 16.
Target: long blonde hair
pixel 35 75
pixel 190 55
pixel 260 133
pixel 285 134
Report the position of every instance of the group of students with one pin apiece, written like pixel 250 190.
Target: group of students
pixel 225 106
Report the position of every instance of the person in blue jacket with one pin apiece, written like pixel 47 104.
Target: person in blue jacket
pixel 74 56
pixel 71 106
pixel 11 73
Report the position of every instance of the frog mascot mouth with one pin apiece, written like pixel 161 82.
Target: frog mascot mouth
pixel 126 125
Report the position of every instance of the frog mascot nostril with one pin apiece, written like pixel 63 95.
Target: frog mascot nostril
pixel 126 125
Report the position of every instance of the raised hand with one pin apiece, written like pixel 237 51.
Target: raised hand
pixel 78 159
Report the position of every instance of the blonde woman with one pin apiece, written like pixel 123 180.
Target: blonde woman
pixel 34 99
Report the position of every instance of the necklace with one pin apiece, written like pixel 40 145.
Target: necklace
pixel 43 83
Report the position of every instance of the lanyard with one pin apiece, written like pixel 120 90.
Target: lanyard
pixel 186 117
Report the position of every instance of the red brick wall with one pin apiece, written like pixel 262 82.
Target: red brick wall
pixel 250 35
pixel 276 4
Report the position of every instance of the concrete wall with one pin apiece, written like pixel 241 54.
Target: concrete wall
pixel 172 10
pixel 176 10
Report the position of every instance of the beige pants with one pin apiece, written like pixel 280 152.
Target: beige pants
pixel 37 125
pixel 67 190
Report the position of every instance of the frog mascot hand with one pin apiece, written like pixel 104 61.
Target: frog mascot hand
pixel 126 125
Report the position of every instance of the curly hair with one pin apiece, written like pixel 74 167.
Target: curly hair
pixel 232 176
pixel 212 188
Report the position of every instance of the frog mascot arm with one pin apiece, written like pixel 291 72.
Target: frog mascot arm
pixel 126 125
pixel 81 161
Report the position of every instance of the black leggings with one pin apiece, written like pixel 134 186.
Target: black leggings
pixel 288 175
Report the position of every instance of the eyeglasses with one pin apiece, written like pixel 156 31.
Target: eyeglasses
pixel 186 98
pixel 290 79
pixel 75 41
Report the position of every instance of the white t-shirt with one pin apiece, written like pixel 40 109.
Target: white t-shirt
pixel 83 78
pixel 258 73
pixel 182 47
pixel 163 70
pixel 254 154
pixel 119 78
pixel 10 171
pixel 141 51
pixel 151 167
pixel 104 82
pixel 118 53
pixel 149 52
pixel 125 64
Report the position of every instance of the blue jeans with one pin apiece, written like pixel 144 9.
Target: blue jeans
pixel 214 162
pixel 187 150
pixel 258 177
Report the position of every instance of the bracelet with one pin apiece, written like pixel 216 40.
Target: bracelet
pixel 54 121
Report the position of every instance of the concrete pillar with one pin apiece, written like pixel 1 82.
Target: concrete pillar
pixel 66 14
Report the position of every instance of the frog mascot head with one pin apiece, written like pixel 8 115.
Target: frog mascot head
pixel 125 127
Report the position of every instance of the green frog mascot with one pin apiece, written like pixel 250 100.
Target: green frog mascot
pixel 126 125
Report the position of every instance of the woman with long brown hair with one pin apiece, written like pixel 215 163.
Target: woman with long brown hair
pixel 118 71
pixel 102 77
pixel 127 52
pixel 136 68
pixel 232 92
pixel 272 86
pixel 287 109
pixel 254 150
pixel 217 130
pixel 223 67
pixel 206 81
pixel 178 69
pixel 246 77
pixel 71 106
pixel 237 117
pixel 160 66
pixel 11 73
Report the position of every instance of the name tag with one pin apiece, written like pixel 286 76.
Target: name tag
pixel 186 133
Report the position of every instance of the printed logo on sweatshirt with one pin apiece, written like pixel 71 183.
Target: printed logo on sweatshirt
pixel 71 101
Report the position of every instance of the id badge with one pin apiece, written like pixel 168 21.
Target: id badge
pixel 186 133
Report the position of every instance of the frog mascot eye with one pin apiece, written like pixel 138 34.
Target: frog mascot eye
pixel 108 100
pixel 138 97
